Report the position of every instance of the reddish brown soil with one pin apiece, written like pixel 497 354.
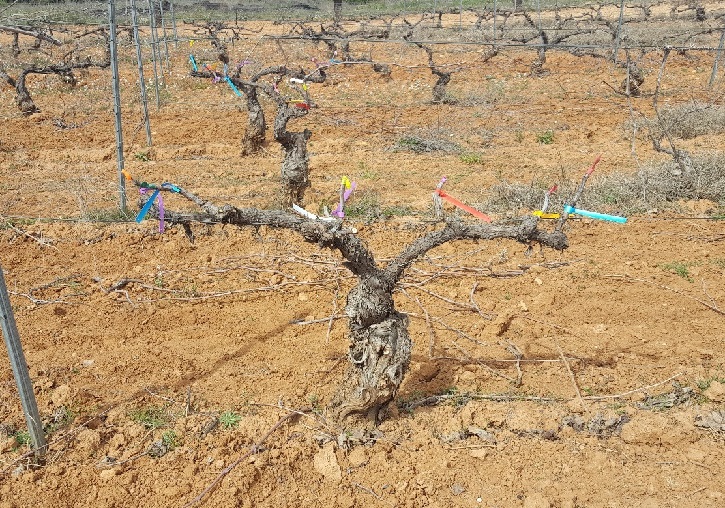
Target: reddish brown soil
pixel 209 327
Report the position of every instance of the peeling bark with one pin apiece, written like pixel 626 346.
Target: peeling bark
pixel 295 165
pixel 256 124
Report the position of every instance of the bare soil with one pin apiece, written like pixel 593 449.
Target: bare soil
pixel 620 356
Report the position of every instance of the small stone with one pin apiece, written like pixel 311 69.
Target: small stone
pixel 575 406
pixel 325 463
pixel 107 474
pixel 9 444
pixel 303 297
pixel 523 306
pixel 536 501
pixel 457 490
pixel 715 392
pixel 60 395
pixel 357 457
pixel 538 281
pixel 479 453
pixel 87 363
pixel 88 441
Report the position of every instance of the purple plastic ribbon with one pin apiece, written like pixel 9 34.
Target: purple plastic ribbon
pixel 161 214
pixel 340 211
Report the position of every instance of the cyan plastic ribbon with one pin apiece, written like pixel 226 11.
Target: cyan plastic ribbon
pixel 595 215
pixel 234 88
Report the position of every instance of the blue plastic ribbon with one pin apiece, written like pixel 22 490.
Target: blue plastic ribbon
pixel 193 63
pixel 147 206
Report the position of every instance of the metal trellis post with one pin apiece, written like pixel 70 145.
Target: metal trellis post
pixel 718 53
pixel 173 24
pixel 117 105
pixel 141 79
pixel 163 30
pixel 153 55
pixel 20 371
pixel 619 31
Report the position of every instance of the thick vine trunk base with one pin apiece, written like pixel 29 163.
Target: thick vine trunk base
pixel 252 141
pixel 292 195
pixel 379 354
pixel 295 167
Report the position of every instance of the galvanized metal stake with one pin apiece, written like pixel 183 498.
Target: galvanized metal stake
pixel 718 53
pixel 173 25
pixel 153 55
pixel 117 105
pixel 619 32
pixel 20 371
pixel 141 79
pixel 495 8
pixel 163 30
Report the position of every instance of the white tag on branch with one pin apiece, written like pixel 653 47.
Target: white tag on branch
pixel 309 215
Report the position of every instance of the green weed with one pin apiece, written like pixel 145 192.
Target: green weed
pixel 22 437
pixel 396 211
pixel 704 384
pixel 471 158
pixel 366 205
pixel 170 439
pixel 150 417
pixel 229 419
pixel 678 268
pixel 545 138
pixel 108 215
pixel 142 156
pixel 314 401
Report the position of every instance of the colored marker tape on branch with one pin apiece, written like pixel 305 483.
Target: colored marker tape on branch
pixel 545 215
pixel 595 215
pixel 234 88
pixel 463 206
pixel 147 206
pixel 309 215
pixel 346 190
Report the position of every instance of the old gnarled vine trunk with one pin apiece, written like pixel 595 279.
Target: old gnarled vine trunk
pixel 295 165
pixel 380 345
pixel 379 352
pixel 256 124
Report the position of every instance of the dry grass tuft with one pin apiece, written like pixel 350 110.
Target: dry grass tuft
pixel 684 121
pixel 655 185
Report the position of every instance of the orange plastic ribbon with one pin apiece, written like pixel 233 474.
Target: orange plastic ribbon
pixel 463 206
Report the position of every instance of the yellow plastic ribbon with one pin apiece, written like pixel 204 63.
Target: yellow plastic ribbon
pixel 545 215
pixel 346 182
pixel 127 175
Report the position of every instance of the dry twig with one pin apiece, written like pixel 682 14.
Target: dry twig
pixel 253 449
